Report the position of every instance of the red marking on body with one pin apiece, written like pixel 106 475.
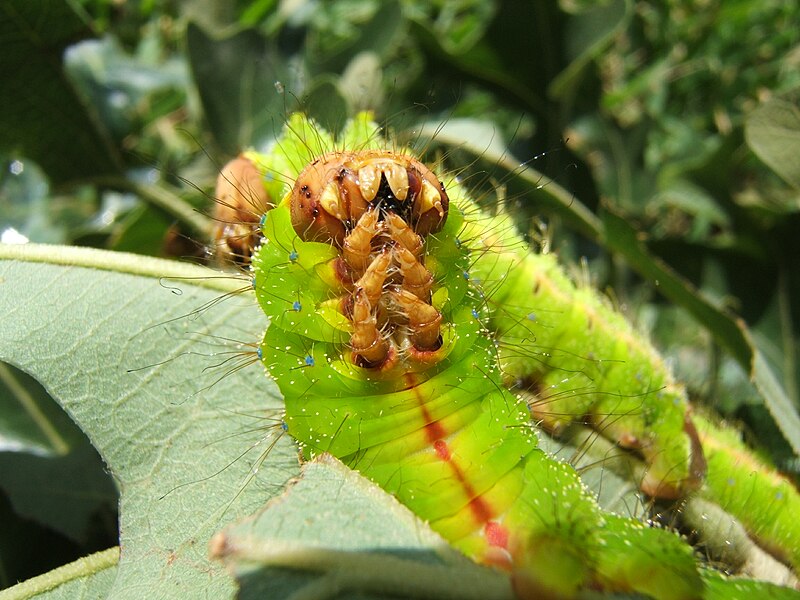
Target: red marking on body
pixel 481 511
pixel 496 534
pixel 498 553
pixel 442 451
pixel 435 432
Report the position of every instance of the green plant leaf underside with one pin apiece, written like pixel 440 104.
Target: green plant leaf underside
pixel 131 361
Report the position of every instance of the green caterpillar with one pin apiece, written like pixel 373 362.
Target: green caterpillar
pixel 423 409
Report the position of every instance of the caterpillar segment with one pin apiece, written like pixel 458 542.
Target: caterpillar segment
pixel 738 480
pixel 416 402
pixel 543 319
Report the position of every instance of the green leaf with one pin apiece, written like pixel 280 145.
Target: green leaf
pixel 240 78
pixel 456 24
pixel 69 494
pixel 773 132
pixel 29 420
pixel 730 332
pixel 126 90
pixel 589 33
pixel 136 364
pixel 43 118
pixel 340 31
pixel 783 411
pixel 335 521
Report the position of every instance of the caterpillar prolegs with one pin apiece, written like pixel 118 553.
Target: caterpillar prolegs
pixel 377 280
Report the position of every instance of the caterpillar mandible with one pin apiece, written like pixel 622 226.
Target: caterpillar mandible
pixel 380 344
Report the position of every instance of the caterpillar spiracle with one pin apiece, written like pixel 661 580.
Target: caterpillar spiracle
pixel 406 334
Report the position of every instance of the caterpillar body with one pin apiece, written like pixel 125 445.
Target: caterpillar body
pixel 539 308
pixel 385 290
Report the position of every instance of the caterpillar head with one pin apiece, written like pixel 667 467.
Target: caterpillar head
pixel 332 193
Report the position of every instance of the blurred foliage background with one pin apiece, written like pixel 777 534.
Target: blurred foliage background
pixel 678 118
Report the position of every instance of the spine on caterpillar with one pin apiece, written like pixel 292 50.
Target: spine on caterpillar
pixel 378 343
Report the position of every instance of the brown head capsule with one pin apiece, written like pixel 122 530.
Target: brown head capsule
pixel 331 194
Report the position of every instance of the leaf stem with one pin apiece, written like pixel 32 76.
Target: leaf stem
pixel 165 199
pixel 789 354
pixel 123 262
pixel 81 568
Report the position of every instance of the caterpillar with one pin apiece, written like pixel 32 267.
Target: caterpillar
pixel 385 289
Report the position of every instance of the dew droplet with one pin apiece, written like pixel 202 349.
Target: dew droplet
pixel 16 167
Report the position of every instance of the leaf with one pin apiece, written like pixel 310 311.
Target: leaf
pixel 364 538
pixel 126 90
pixel 67 493
pixel 239 78
pixel 43 118
pixel 728 331
pixel 456 25
pixel 783 411
pixel 29 420
pixel 125 356
pixel 589 34
pixel 773 133
pixel 338 33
